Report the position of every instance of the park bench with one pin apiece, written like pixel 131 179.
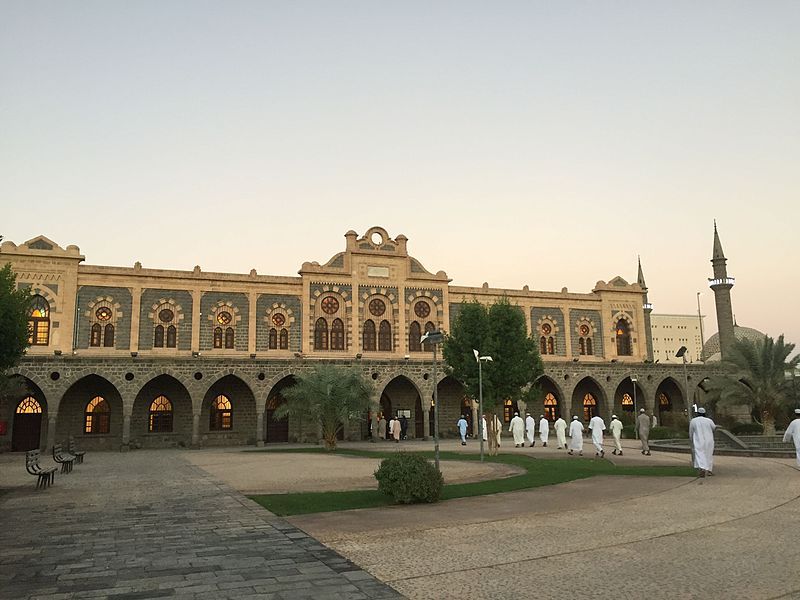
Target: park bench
pixel 73 449
pixel 63 458
pixel 46 476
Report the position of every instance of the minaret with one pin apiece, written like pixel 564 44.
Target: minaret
pixel 648 308
pixel 722 284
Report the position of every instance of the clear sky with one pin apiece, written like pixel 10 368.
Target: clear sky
pixel 538 143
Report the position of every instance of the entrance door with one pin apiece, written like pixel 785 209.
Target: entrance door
pixel 419 420
pixel 27 431
pixel 277 429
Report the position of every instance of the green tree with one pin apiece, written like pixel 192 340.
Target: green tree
pixel 14 305
pixel 499 331
pixel 328 395
pixel 756 377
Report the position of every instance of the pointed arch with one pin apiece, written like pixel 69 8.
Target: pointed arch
pixel 414 335
pixel 321 334
pixel 39 321
pixel 337 334
pixel 272 343
pixel 623 337
pixel 368 336
pixel 385 337
pixel 582 405
pixel 284 339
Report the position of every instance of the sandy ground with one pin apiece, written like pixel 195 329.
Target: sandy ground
pixel 281 472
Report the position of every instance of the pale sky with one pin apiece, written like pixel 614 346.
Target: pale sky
pixel 538 143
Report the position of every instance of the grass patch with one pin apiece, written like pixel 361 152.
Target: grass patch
pixel 537 472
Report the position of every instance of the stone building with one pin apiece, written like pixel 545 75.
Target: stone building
pixel 135 356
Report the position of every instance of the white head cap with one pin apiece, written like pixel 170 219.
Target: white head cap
pixel 641 410
pixel 613 416
pixel 575 418
pixel 541 416
pixel 797 411
pixel 701 411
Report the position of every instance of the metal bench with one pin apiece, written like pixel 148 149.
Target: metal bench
pixel 73 449
pixel 65 459
pixel 46 476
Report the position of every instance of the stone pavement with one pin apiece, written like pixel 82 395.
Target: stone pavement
pixel 147 524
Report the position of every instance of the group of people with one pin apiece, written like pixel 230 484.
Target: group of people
pixel 396 428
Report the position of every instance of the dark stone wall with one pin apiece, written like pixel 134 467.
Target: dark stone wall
pixel 264 306
pixel 146 325
pixel 241 304
pixel 122 326
pixel 557 316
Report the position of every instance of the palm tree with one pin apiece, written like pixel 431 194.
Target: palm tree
pixel 329 395
pixel 756 378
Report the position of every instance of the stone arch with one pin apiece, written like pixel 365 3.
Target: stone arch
pixel 26 432
pixel 626 403
pixel 451 395
pixel 589 385
pixel 72 417
pixel 548 385
pixel 181 400
pixel 30 375
pixel 75 376
pixel 179 377
pixel 281 430
pixel 671 412
pixel 243 412
pixel 404 395
pixel 211 379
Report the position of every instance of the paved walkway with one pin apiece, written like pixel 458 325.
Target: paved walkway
pixel 148 524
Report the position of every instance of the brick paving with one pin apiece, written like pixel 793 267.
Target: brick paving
pixel 150 525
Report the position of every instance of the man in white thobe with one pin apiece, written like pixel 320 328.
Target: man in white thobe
pixel 701 432
pixel 530 429
pixel 597 426
pixel 615 427
pixel 462 430
pixel 561 429
pixel 396 429
pixel 544 430
pixel 517 429
pixel 576 436
pixel 792 434
pixel 485 430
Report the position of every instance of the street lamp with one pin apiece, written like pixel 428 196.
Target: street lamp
pixel 434 338
pixel 480 360
pixel 635 414
pixel 681 353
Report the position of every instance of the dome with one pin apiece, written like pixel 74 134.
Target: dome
pixel 711 348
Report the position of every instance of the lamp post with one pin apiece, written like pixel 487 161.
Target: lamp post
pixel 434 338
pixel 480 359
pixel 700 318
pixel 635 414
pixel 681 353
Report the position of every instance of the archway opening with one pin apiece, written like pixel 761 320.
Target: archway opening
pixel 588 399
pixel 402 396
pixel 162 414
pixel 29 420
pixel 91 409
pixel 277 430
pixel 629 397
pixel 670 404
pixel 228 413
pixel 550 403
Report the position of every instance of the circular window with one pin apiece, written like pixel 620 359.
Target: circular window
pixel 330 305
pixel 128 376
pixel 55 375
pixel 376 238
pixel 224 318
pixel 103 313
pixel 422 309
pixel 377 307
pixel 166 315
pixel 198 376
pixel 584 330
pixel 278 320
pixel 547 329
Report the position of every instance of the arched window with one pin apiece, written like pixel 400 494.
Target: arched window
pixel 385 337
pixel 414 334
pixel 664 403
pixel 368 336
pixel 160 415
pixel 273 339
pixel 321 334
pixel 97 416
pixel 29 406
pixel 429 326
pixel 582 346
pixel 337 335
pixel 508 411
pixel 39 322
pixel 108 336
pixel 94 337
pixel 221 414
pixel 589 407
pixel 172 336
pixel 550 407
pixel 589 349
pixel 627 403
pixel 229 338
pixel 624 347
pixel 217 337
pixel 551 346
pixel 542 345
pixel 284 341
pixel 158 337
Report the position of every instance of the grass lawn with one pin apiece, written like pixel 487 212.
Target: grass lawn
pixel 538 472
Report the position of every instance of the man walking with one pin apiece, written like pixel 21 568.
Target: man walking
pixel 701 432
pixel 643 427
pixel 382 428
pixel 615 427
pixel 792 434
pixel 530 429
pixel 597 426
pixel 576 436
pixel 544 430
pixel 561 430
pixel 517 429
pixel 462 430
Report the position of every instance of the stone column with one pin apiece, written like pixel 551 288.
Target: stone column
pixel 253 319
pixel 136 310
pixel 126 428
pixel 476 429
pixel 195 429
pixel 196 318
pixel 260 429
pixel 51 433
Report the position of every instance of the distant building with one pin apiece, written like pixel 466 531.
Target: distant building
pixel 670 332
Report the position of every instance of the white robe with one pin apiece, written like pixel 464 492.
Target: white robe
pixel 561 427
pixel 615 427
pixel 485 430
pixel 530 427
pixel 597 427
pixel 544 430
pixel 517 429
pixel 576 436
pixel 793 434
pixel 701 432
pixel 462 428
pixel 498 429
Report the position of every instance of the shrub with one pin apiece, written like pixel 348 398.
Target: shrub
pixel 628 432
pixel 747 429
pixel 409 478
pixel 668 433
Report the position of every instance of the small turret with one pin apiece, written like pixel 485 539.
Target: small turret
pixel 648 308
pixel 721 284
